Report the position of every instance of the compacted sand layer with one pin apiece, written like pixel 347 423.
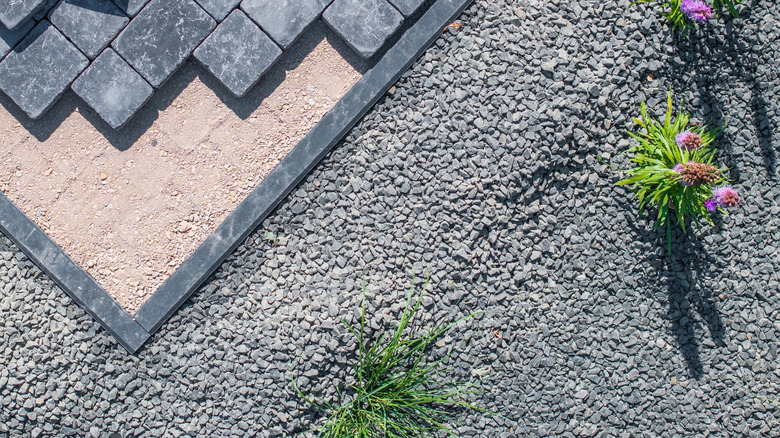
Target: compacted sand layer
pixel 130 206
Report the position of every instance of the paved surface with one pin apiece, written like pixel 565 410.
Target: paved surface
pixel 481 168
pixel 164 33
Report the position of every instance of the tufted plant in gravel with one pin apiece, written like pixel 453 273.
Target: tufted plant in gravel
pixel 682 13
pixel 396 390
pixel 674 170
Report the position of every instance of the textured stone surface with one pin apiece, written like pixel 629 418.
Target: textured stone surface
pixel 36 76
pixel 13 13
pixel 238 53
pixel 89 24
pixel 113 88
pixel 9 38
pixel 407 7
pixel 162 36
pixel 131 7
pixel 481 168
pixel 218 9
pixel 45 9
pixel 364 24
pixel 284 20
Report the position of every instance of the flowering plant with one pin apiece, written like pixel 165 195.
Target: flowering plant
pixel 675 172
pixel 682 13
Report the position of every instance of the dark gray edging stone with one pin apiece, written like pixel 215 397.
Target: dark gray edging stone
pixel 296 165
pixel 70 277
pixel 132 331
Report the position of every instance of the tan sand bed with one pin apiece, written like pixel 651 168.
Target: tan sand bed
pixel 131 212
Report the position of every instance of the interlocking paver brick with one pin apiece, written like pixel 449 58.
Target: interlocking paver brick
pixel 89 24
pixel 284 20
pixel 14 13
pixel 42 67
pixel 407 7
pixel 219 9
pixel 364 24
pixel 9 38
pixel 48 5
pixel 113 89
pixel 238 53
pixel 161 37
pixel 131 7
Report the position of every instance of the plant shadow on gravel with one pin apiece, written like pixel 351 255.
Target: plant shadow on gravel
pixel 682 276
pixel 709 57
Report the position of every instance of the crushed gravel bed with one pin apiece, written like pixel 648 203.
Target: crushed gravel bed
pixel 480 166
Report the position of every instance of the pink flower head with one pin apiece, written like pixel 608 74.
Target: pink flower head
pixel 725 196
pixel 696 10
pixel 688 140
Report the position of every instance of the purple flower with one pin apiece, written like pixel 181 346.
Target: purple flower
pixel 688 140
pixel 696 10
pixel 711 205
pixel 679 168
pixel 725 196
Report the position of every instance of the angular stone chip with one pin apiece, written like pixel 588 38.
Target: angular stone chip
pixel 284 20
pixel 238 53
pixel 90 24
pixel 161 37
pixel 113 89
pixel 364 24
pixel 40 69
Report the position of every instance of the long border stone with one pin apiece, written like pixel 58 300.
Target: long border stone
pixel 70 277
pixel 296 165
pixel 133 330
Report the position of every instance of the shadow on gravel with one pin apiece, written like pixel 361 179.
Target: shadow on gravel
pixel 690 304
pixel 712 60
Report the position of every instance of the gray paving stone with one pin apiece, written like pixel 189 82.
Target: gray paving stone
pixel 219 9
pixel 9 38
pixel 131 7
pixel 48 5
pixel 113 89
pixel 89 24
pixel 14 13
pixel 364 24
pixel 160 38
pixel 37 75
pixel 284 20
pixel 407 7
pixel 238 53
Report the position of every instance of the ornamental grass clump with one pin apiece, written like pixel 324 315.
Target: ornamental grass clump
pixel 396 390
pixel 683 14
pixel 674 170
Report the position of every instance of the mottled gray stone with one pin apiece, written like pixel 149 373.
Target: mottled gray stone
pixel 48 5
pixel 407 7
pixel 13 13
pixel 160 38
pixel 238 53
pixel 284 20
pixel 113 89
pixel 364 24
pixel 9 38
pixel 131 7
pixel 37 75
pixel 219 9
pixel 90 24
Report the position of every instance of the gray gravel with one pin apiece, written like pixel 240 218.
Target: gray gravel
pixel 481 168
